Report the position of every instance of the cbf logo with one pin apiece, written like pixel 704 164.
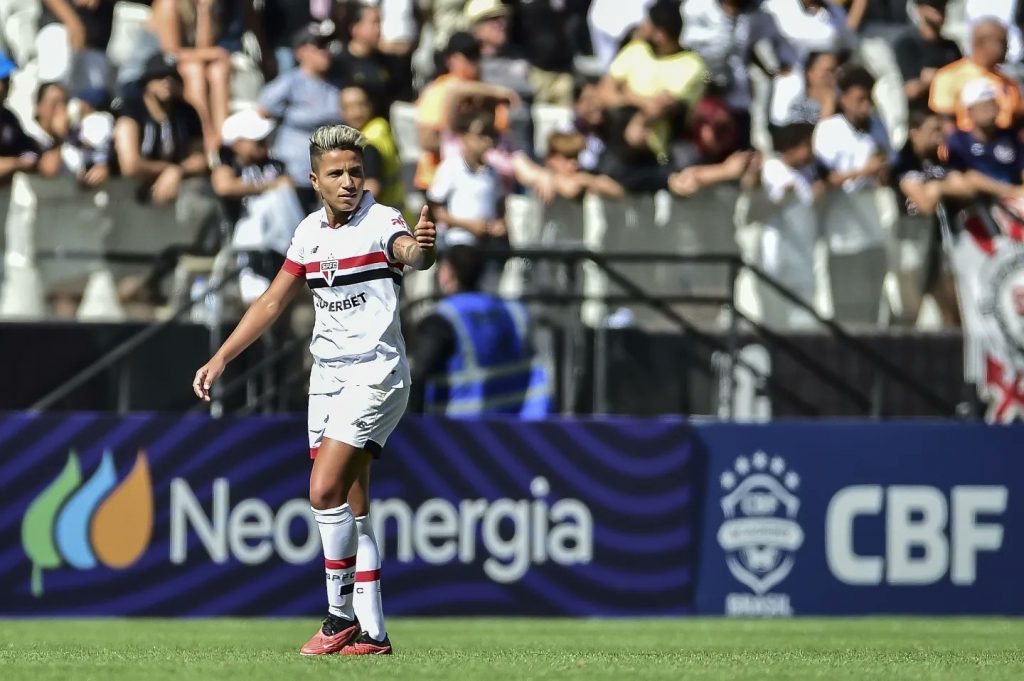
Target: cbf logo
pixel 86 523
pixel 760 534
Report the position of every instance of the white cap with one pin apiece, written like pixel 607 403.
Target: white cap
pixel 478 10
pixel 978 91
pixel 245 125
pixel 96 129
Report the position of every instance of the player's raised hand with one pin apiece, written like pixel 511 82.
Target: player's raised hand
pixel 207 374
pixel 425 231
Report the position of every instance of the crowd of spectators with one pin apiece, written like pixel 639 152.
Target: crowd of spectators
pixel 659 96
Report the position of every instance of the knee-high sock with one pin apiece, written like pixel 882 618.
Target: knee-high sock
pixel 338 535
pixel 367 598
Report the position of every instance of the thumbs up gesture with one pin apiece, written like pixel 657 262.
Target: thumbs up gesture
pixel 425 231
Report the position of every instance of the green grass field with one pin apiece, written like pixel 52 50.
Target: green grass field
pixel 880 649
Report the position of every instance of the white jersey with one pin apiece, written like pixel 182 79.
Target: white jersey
pixel 351 270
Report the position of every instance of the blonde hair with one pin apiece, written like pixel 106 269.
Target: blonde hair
pixel 335 138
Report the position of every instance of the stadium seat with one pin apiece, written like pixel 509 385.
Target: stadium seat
pixel 522 215
pixel 19 20
pixel 129 21
pixel 547 119
pixel 403 126
pixel 246 82
pixel 890 102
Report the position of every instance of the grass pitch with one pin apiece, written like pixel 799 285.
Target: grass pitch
pixel 883 649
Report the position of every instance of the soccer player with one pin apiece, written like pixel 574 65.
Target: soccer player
pixel 352 254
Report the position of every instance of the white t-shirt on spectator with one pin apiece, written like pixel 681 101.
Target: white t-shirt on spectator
pixel 851 218
pixel 823 30
pixel 467 194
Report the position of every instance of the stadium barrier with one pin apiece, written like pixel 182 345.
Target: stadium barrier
pixel 189 516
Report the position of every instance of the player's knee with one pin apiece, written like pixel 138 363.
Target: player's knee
pixel 325 494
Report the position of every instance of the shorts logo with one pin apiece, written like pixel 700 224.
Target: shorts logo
pixel 359 423
pixel 83 524
pixel 760 535
pixel 329 268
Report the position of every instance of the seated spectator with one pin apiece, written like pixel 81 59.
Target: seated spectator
pixel 258 199
pixel 852 146
pixel 18 151
pixel 588 120
pixel 382 165
pixel 918 174
pixel 991 151
pixel 657 77
pixel 709 156
pixel 158 137
pixel 812 25
pixel 988 50
pixel 71 45
pixel 466 197
pixel 806 97
pixel 456 90
pixel 360 62
pixel 550 33
pixel 194 33
pixel 789 226
pixel 921 50
pixel 1006 12
pixel 282 20
pixel 52 119
pixel 301 100
pixel 725 33
pixel 561 176
pixel 76 135
pixel 500 63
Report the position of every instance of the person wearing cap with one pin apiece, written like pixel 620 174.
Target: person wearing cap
pixel 921 50
pixel 988 51
pixel 158 137
pixel 455 89
pixel 500 63
pixel 986 148
pixel 258 199
pixel 300 100
pixel 18 151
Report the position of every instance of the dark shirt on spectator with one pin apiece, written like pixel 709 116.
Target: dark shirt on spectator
pixel 14 141
pixel 261 172
pixel 171 140
pixel 1001 158
pixel 550 32
pixel 98 22
pixel 910 166
pixel 914 54
pixel 372 73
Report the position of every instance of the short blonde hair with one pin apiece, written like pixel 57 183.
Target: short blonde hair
pixel 335 138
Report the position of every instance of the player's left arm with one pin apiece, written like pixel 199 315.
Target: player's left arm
pixel 417 249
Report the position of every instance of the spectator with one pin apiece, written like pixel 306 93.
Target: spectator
pixel 988 50
pixel 158 137
pixel 588 120
pixel 399 35
pixel 361 62
pixel 71 45
pixel 52 119
pixel 806 97
pixel 921 50
pixel 812 25
pixel 852 146
pixel 657 77
pixel 473 355
pixel 466 197
pixel 382 165
pixel 282 20
pixel 453 91
pixel 549 31
pixel 991 151
pixel 18 151
pixel 1006 12
pixel 789 228
pixel 709 156
pixel 258 199
pixel 725 34
pixel 193 32
pixel 87 151
pixel 561 175
pixel 301 100
pixel 500 63
pixel 918 174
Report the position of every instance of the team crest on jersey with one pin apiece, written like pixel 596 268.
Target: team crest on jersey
pixel 329 268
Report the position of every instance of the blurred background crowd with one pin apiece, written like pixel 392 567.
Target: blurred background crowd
pixel 145 145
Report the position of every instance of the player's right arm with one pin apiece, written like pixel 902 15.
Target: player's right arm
pixel 258 318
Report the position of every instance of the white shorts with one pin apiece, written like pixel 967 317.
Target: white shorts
pixel 359 415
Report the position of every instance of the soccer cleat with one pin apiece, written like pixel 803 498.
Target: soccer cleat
pixel 364 645
pixel 332 636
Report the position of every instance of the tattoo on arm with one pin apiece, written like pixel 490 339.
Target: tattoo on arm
pixel 408 251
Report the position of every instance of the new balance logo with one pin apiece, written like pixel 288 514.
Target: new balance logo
pixel 315 249
pixel 360 424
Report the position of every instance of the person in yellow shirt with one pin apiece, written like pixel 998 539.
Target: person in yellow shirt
pixel 988 50
pixel 656 75
pixel 386 183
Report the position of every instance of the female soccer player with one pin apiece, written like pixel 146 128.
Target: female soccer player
pixel 352 254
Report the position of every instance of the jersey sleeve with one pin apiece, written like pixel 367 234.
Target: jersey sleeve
pixel 295 259
pixel 394 227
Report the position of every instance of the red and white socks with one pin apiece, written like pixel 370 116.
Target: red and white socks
pixel 367 588
pixel 338 536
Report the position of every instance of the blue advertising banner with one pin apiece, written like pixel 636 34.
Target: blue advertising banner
pixel 166 516
pixel 847 518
